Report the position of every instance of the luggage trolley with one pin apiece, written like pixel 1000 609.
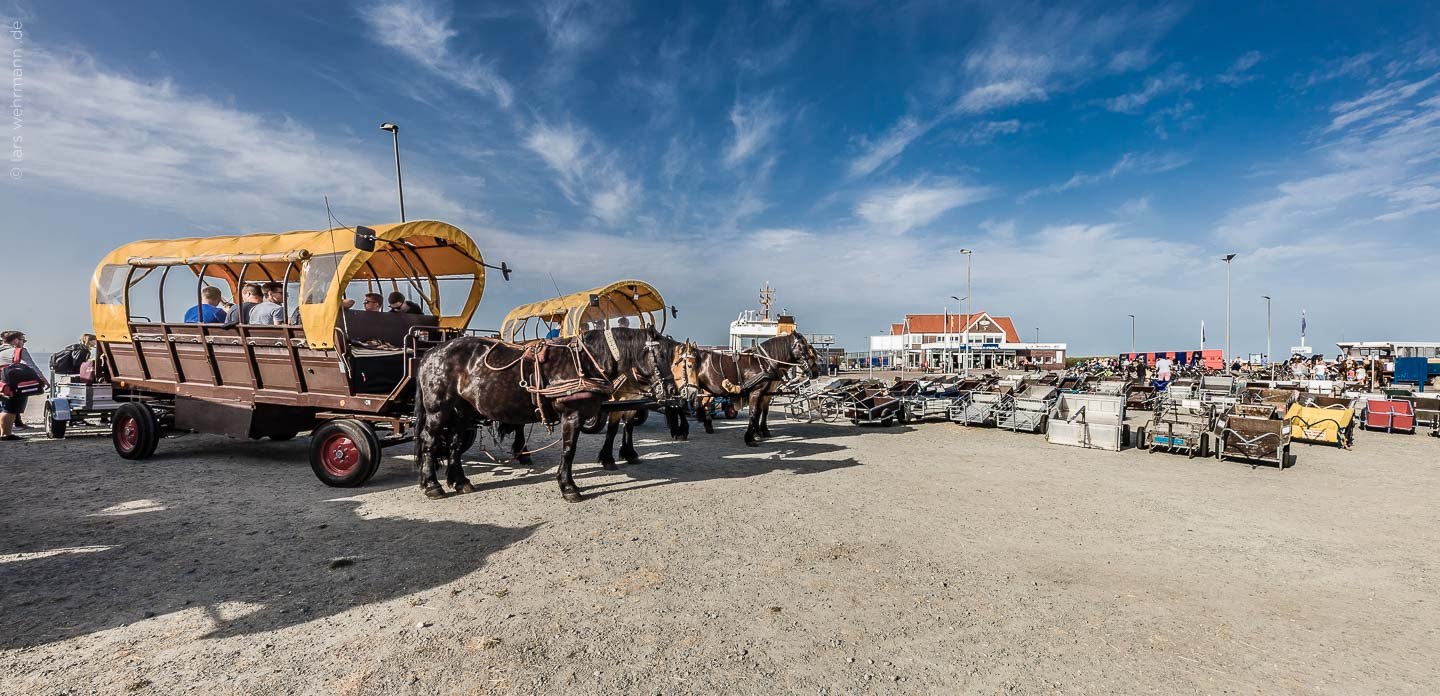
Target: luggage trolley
pixel 1094 421
pixel 1028 410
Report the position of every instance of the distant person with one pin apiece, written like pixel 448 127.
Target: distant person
pixel 373 301
pixel 12 352
pixel 1162 374
pixel 623 322
pixel 399 304
pixel 208 311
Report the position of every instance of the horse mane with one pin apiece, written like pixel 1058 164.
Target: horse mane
pixel 630 342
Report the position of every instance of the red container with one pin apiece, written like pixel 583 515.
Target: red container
pixel 1390 415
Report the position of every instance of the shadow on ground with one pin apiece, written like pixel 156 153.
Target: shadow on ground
pixel 268 542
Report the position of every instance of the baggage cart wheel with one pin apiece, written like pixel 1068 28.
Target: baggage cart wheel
pixel 344 453
pixel 55 430
pixel 135 431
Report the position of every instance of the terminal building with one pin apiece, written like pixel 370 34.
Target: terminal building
pixel 953 342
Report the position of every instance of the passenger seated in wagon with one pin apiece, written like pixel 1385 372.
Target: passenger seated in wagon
pixel 208 311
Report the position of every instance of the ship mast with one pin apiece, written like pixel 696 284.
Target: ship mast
pixel 767 298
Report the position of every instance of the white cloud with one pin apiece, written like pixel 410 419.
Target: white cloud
pixel 1377 101
pixel 902 208
pixel 560 147
pixel 1026 54
pixel 421 32
pixel 899 137
pixel 998 95
pixel 155 145
pixel 986 131
pixel 1139 162
pixel 1170 81
pixel 755 122
pixel 1378 168
pixel 1239 71
pixel 588 174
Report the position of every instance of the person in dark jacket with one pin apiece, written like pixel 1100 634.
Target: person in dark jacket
pixel 398 303
pixel 12 350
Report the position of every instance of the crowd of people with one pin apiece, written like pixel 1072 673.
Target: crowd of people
pixel 264 304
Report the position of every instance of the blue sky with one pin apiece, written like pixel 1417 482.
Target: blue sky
pixel 1099 158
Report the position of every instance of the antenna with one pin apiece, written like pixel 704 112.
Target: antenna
pixel 767 298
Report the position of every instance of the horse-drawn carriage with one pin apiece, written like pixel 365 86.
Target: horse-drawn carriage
pixel 624 303
pixel 346 375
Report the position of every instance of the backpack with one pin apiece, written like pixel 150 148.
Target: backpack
pixel 68 360
pixel 19 379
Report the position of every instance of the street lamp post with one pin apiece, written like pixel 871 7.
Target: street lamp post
pixel 1268 363
pixel 1227 259
pixel 958 301
pixel 965 339
pixel 1132 336
pixel 399 185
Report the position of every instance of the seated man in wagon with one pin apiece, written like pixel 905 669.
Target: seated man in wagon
pixel 208 311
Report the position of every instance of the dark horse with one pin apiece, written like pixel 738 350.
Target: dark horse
pixel 471 380
pixel 754 375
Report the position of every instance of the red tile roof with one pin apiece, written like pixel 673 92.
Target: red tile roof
pixel 952 323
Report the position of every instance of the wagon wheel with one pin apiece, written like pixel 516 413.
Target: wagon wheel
pixel 797 411
pixel 135 431
pixel 590 426
pixel 730 411
pixel 344 453
pixel 54 429
pixel 830 410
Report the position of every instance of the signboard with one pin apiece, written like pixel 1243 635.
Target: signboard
pixel 822 338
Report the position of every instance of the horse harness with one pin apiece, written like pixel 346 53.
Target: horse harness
pixel 558 391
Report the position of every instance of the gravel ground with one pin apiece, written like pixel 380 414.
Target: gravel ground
pixel 833 559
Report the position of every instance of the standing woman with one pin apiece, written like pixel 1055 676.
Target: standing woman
pixel 12 350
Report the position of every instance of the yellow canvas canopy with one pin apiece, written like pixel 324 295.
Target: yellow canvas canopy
pixel 624 298
pixel 323 262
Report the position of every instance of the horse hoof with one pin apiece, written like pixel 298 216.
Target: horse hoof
pixel 524 459
pixel 464 488
pixel 632 460
pixel 573 496
pixel 681 438
pixel 609 466
pixel 709 429
pixel 751 443
pixel 434 492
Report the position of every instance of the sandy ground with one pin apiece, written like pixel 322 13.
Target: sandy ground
pixel 833 559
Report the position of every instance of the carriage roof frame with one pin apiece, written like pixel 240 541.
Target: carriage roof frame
pixel 324 262
pixel 570 311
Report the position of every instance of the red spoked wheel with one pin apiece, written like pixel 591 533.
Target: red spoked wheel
pixel 344 453
pixel 135 431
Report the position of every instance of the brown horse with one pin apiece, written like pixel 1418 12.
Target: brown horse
pixel 754 375
pixel 472 380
